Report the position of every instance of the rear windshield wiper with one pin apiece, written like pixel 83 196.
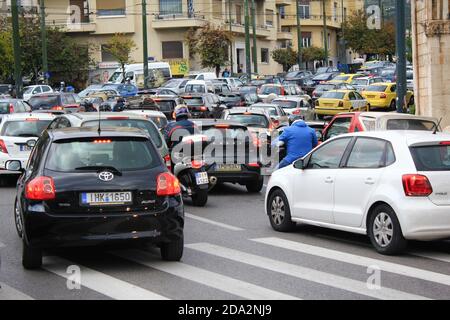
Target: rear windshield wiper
pixel 100 168
pixel 28 135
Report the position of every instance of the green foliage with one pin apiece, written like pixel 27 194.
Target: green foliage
pixel 121 47
pixel 313 54
pixel 211 44
pixel 286 57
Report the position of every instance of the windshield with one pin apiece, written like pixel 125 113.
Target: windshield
pixel 165 105
pixel 197 101
pixel 359 82
pixel 4 89
pixel 25 128
pixel 376 88
pixel 144 125
pixel 333 95
pixel 271 110
pixel 410 124
pixel 387 73
pixel 325 87
pixel 432 158
pixel 160 122
pixel 195 88
pixel 250 120
pixel 171 84
pixel 270 89
pixel 322 70
pixel 342 78
pixel 121 154
pixel 285 104
pixel 248 90
pixel 323 76
pixel 43 102
pixel 27 90
pixel 116 77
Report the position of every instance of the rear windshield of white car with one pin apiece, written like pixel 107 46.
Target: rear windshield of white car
pixel 196 88
pixel 286 104
pixel 270 89
pixel 333 95
pixel 376 88
pixel 144 125
pixel 94 154
pixel 24 128
pixel 410 124
pixel 196 101
pixel 250 120
pixel 432 158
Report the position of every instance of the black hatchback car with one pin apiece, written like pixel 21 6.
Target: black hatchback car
pixel 84 188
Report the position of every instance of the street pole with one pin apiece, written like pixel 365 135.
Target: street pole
pixel 17 51
pixel 342 41
pixel 255 51
pixel 231 43
pixel 145 47
pixel 325 32
pixel 248 62
pixel 299 37
pixel 401 53
pixel 44 43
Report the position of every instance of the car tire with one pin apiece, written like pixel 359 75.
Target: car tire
pixel 393 106
pixel 385 232
pixel 279 212
pixel 172 251
pixel 200 198
pixel 320 117
pixel 31 257
pixel 18 221
pixel 255 186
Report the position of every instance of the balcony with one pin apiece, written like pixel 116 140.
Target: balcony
pixel 89 27
pixel 178 21
pixel 311 20
pixel 283 2
pixel 284 35
pixel 261 31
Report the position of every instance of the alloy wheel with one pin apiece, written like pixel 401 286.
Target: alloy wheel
pixel 277 210
pixel 383 229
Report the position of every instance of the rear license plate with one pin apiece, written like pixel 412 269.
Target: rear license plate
pixel 106 198
pixel 25 148
pixel 229 167
pixel 201 178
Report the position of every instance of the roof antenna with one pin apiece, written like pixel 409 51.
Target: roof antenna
pixel 99 130
pixel 436 126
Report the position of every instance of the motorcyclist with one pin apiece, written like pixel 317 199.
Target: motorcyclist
pixel 299 139
pixel 182 123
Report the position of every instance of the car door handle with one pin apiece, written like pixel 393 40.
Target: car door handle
pixel 370 181
pixel 329 180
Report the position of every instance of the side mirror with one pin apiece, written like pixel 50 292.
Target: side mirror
pixel 300 164
pixel 31 143
pixel 13 165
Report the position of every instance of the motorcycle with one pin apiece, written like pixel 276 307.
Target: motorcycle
pixel 191 171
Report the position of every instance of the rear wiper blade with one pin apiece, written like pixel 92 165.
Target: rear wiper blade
pixel 99 168
pixel 27 135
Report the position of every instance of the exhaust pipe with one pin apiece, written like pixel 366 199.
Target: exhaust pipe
pixel 213 180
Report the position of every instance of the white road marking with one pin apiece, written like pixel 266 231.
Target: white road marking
pixel 439 256
pixel 212 222
pixel 308 274
pixel 100 282
pixel 357 260
pixel 9 293
pixel 211 279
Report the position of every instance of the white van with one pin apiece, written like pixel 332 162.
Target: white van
pixel 199 86
pixel 202 76
pixel 135 72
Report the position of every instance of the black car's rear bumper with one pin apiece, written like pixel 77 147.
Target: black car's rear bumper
pixel 44 230
pixel 246 175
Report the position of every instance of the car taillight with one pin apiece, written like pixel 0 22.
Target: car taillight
pixel 383 96
pixel 58 108
pixel 445 143
pixel 416 185
pixel 168 162
pixel 341 104
pixel 117 118
pixel 11 108
pixel 275 124
pixel 296 111
pixel 40 188
pixel 167 185
pixel 203 108
pixel 3 147
pixel 196 164
pixel 254 164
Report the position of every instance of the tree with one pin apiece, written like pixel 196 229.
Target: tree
pixel 211 44
pixel 7 57
pixel 286 57
pixel 121 47
pixel 311 54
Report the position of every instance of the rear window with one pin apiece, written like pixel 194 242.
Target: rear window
pixel 196 88
pixel 248 90
pixel 342 78
pixel 4 107
pixel 359 82
pixel 376 88
pixel 325 87
pixel 270 89
pixel 194 101
pixel 43 102
pixel 145 125
pixel 410 124
pixel 166 105
pixel 250 120
pixel 286 104
pixel 121 154
pixel 270 110
pixel 27 128
pixel 160 122
pixel 333 95
pixel 432 158
pixel 227 133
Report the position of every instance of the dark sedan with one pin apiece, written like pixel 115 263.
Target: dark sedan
pixel 85 188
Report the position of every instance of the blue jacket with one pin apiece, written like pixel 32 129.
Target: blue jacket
pixel 178 125
pixel 299 140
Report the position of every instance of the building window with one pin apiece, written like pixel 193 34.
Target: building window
pixel 335 7
pixel 306 39
pixel 304 10
pixel 106 56
pixel 282 12
pixel 238 14
pixel 172 50
pixel 170 7
pixel 217 9
pixel 264 55
pixel 82 10
pixel 269 18
pixel 440 9
pixel 111 7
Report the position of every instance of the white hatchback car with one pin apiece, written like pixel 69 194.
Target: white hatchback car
pixel 18 134
pixel 392 186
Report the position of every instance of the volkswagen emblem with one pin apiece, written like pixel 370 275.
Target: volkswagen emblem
pixel 106 176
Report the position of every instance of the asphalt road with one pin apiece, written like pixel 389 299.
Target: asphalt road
pixel 231 253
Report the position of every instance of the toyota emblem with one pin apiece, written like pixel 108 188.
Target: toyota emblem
pixel 106 176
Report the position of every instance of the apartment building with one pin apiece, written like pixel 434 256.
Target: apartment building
pixel 431 58
pixel 311 14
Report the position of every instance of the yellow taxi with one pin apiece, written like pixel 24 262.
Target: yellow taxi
pixel 384 95
pixel 336 101
pixel 346 78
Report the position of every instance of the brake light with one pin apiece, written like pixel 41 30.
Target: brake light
pixel 416 185
pixel 58 108
pixel 297 111
pixel 31 119
pixel 445 143
pixel 102 141
pixel 275 123
pixel 117 118
pixel 253 164
pixel 3 147
pixel 197 164
pixel 168 162
pixel 341 104
pixel 222 126
pixel 11 108
pixel 203 108
pixel 383 96
pixel 40 188
pixel 167 185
